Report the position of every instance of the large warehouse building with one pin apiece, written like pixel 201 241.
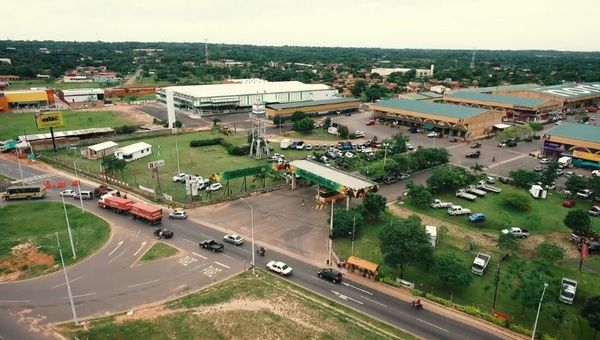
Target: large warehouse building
pixel 450 119
pixel 314 107
pixel 568 96
pixel 580 141
pixel 516 108
pixel 231 97
pixel 26 99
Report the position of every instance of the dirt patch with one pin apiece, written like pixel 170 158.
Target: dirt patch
pixel 129 112
pixel 24 257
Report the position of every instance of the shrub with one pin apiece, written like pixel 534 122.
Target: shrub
pixel 125 129
pixel 517 201
pixel 205 142
pixel 239 150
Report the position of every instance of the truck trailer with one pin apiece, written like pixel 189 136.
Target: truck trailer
pixel 117 204
pixel 148 213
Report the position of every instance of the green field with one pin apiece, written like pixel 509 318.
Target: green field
pixel 202 160
pixel 544 217
pixel 27 84
pixel 243 307
pixel 36 222
pixel 13 124
pixel 158 251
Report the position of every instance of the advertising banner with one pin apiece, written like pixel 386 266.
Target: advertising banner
pixel 49 119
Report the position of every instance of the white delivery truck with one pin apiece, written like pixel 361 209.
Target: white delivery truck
pixel 565 162
pixel 480 263
pixel 537 191
pixel 567 290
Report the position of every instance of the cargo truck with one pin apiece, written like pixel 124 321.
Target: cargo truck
pixel 568 290
pixel 117 204
pixel 148 213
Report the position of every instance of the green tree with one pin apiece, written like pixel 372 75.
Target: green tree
pixel 594 184
pixel 397 143
pixel 404 242
pixel 343 131
pixel 591 313
pixel 529 290
pixel 517 132
pixel 359 87
pixel 448 178
pixel 327 123
pixel 418 195
pixel 550 251
pixel 278 120
pixel 178 124
pixel 216 122
pixel 112 165
pixel 524 178
pixel 297 116
pixel 536 127
pixel 576 183
pixel 578 221
pixel 452 271
pixel 304 125
pixel 343 222
pixel 517 201
pixel 549 174
pixel 507 243
pixel 373 205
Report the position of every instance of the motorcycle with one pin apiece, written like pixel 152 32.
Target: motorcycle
pixel 417 305
pixel 261 251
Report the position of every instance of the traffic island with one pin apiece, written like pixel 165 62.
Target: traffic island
pixel 157 252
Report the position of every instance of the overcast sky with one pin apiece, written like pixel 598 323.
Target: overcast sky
pixel 455 24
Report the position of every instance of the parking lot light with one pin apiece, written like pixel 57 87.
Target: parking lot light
pixel 252 233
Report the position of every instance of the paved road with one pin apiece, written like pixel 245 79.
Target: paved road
pixel 109 281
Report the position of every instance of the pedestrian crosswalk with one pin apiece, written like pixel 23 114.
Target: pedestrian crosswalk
pixel 36 178
pixel 319 206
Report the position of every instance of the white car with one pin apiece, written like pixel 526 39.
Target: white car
pixel 67 193
pixel 308 147
pixel 178 214
pixel 544 161
pixel 432 134
pixel 359 133
pixel 596 173
pixel 409 147
pixel 349 155
pixel 179 177
pixel 279 267
pixel 214 187
pixel 234 239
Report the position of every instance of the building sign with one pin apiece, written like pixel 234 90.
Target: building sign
pixel 554 146
pixel 228 175
pixel 156 164
pixel 522 107
pixel 49 119
pixel 586 155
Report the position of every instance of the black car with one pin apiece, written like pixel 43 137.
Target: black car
pixel 475 145
pixel 330 275
pixel 474 154
pixel 511 143
pixel 505 180
pixel 390 179
pixel 593 247
pixel 163 233
pixel 212 245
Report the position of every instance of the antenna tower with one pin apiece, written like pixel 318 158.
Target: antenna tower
pixel 206 51
pixel 259 147
pixel 472 64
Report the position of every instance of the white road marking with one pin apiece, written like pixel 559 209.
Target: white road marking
pixel 432 325
pixel 185 261
pixel 116 257
pixel 78 296
pixel 222 265
pixel 1 337
pixel 70 281
pixel 142 246
pixel 211 271
pixel 198 267
pixel 227 256
pixel 143 283
pixel 117 247
pixel 138 233
pixel 366 298
pixel 319 279
pixel 190 241
pixel 351 286
pixel 345 297
pixel 200 256
pixel 14 301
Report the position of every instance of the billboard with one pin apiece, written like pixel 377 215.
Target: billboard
pixel 227 175
pixel 49 119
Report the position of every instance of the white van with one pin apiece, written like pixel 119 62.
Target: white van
pixel 284 144
pixel 85 194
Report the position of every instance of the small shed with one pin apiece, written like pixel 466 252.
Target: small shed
pixel 135 151
pixel 100 150
pixel 368 269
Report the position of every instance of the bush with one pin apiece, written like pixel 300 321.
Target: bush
pixel 125 129
pixel 205 142
pixel 517 201
pixel 239 150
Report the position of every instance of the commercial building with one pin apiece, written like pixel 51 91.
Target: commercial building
pixel 568 96
pixel 515 108
pixel 450 119
pixel 134 151
pixel 100 150
pixel 421 72
pixel 26 99
pixel 580 141
pixel 314 107
pixel 81 95
pixel 231 97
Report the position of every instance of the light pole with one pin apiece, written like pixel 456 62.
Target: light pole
pixel 68 227
pixel 252 232
pixel 385 153
pixel 67 281
pixel 330 234
pixel 20 169
pixel 78 184
pixel 538 311
pixel 177 153
pixel 353 233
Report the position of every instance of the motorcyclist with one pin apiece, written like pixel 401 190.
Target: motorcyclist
pixel 261 251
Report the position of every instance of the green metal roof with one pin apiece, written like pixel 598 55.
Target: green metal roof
pixel 585 132
pixel 492 98
pixel 570 90
pixel 312 103
pixel 504 88
pixel 446 110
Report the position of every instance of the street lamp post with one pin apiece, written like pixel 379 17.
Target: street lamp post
pixel 177 153
pixel 497 280
pixel 330 238
pixel 68 227
pixel 385 153
pixel 67 282
pixel 20 169
pixel 78 183
pixel 538 311
pixel 252 232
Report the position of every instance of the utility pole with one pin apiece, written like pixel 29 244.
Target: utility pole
pixel 62 260
pixel 497 280
pixel 330 234
pixel 538 311
pixel 353 233
pixel 20 169
pixel 68 227
pixel 78 184
pixel 177 153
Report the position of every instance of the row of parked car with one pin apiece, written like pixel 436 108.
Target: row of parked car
pixel 202 183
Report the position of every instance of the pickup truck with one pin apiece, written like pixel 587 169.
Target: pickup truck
pixel 473 190
pixel 567 290
pixel 212 245
pixel 458 210
pixel 484 186
pixel 439 204
pixel 463 194
pixel 585 193
pixel 516 232
pixel 480 263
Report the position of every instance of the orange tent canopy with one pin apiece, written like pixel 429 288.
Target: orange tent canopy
pixel 364 264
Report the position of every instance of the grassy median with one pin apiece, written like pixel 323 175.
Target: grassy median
pixel 266 307
pixel 28 246
pixel 158 251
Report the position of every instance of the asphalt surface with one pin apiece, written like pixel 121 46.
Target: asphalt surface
pixel 111 281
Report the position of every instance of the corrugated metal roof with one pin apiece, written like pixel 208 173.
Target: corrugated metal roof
pixel 312 103
pixel 133 148
pixel 26 96
pixel 585 132
pixel 570 90
pixel 492 98
pixel 503 88
pixel 350 181
pixel 102 146
pixel 71 133
pixel 446 110
pixel 224 90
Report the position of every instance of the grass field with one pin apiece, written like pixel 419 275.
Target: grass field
pixel 13 124
pixel 242 307
pixel 159 250
pixel 36 222
pixel 27 84
pixel 203 161
pixel 545 216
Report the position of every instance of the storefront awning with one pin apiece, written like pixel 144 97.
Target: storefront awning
pixel 428 127
pixel 363 264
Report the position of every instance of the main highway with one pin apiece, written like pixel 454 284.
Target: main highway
pixel 112 280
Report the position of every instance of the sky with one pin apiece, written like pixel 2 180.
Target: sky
pixel 439 24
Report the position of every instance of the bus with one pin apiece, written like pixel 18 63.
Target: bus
pixel 27 191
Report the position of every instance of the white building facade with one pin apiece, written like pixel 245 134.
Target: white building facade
pixel 421 72
pixel 135 151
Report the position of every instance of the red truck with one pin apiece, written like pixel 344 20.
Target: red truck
pixel 118 204
pixel 146 212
